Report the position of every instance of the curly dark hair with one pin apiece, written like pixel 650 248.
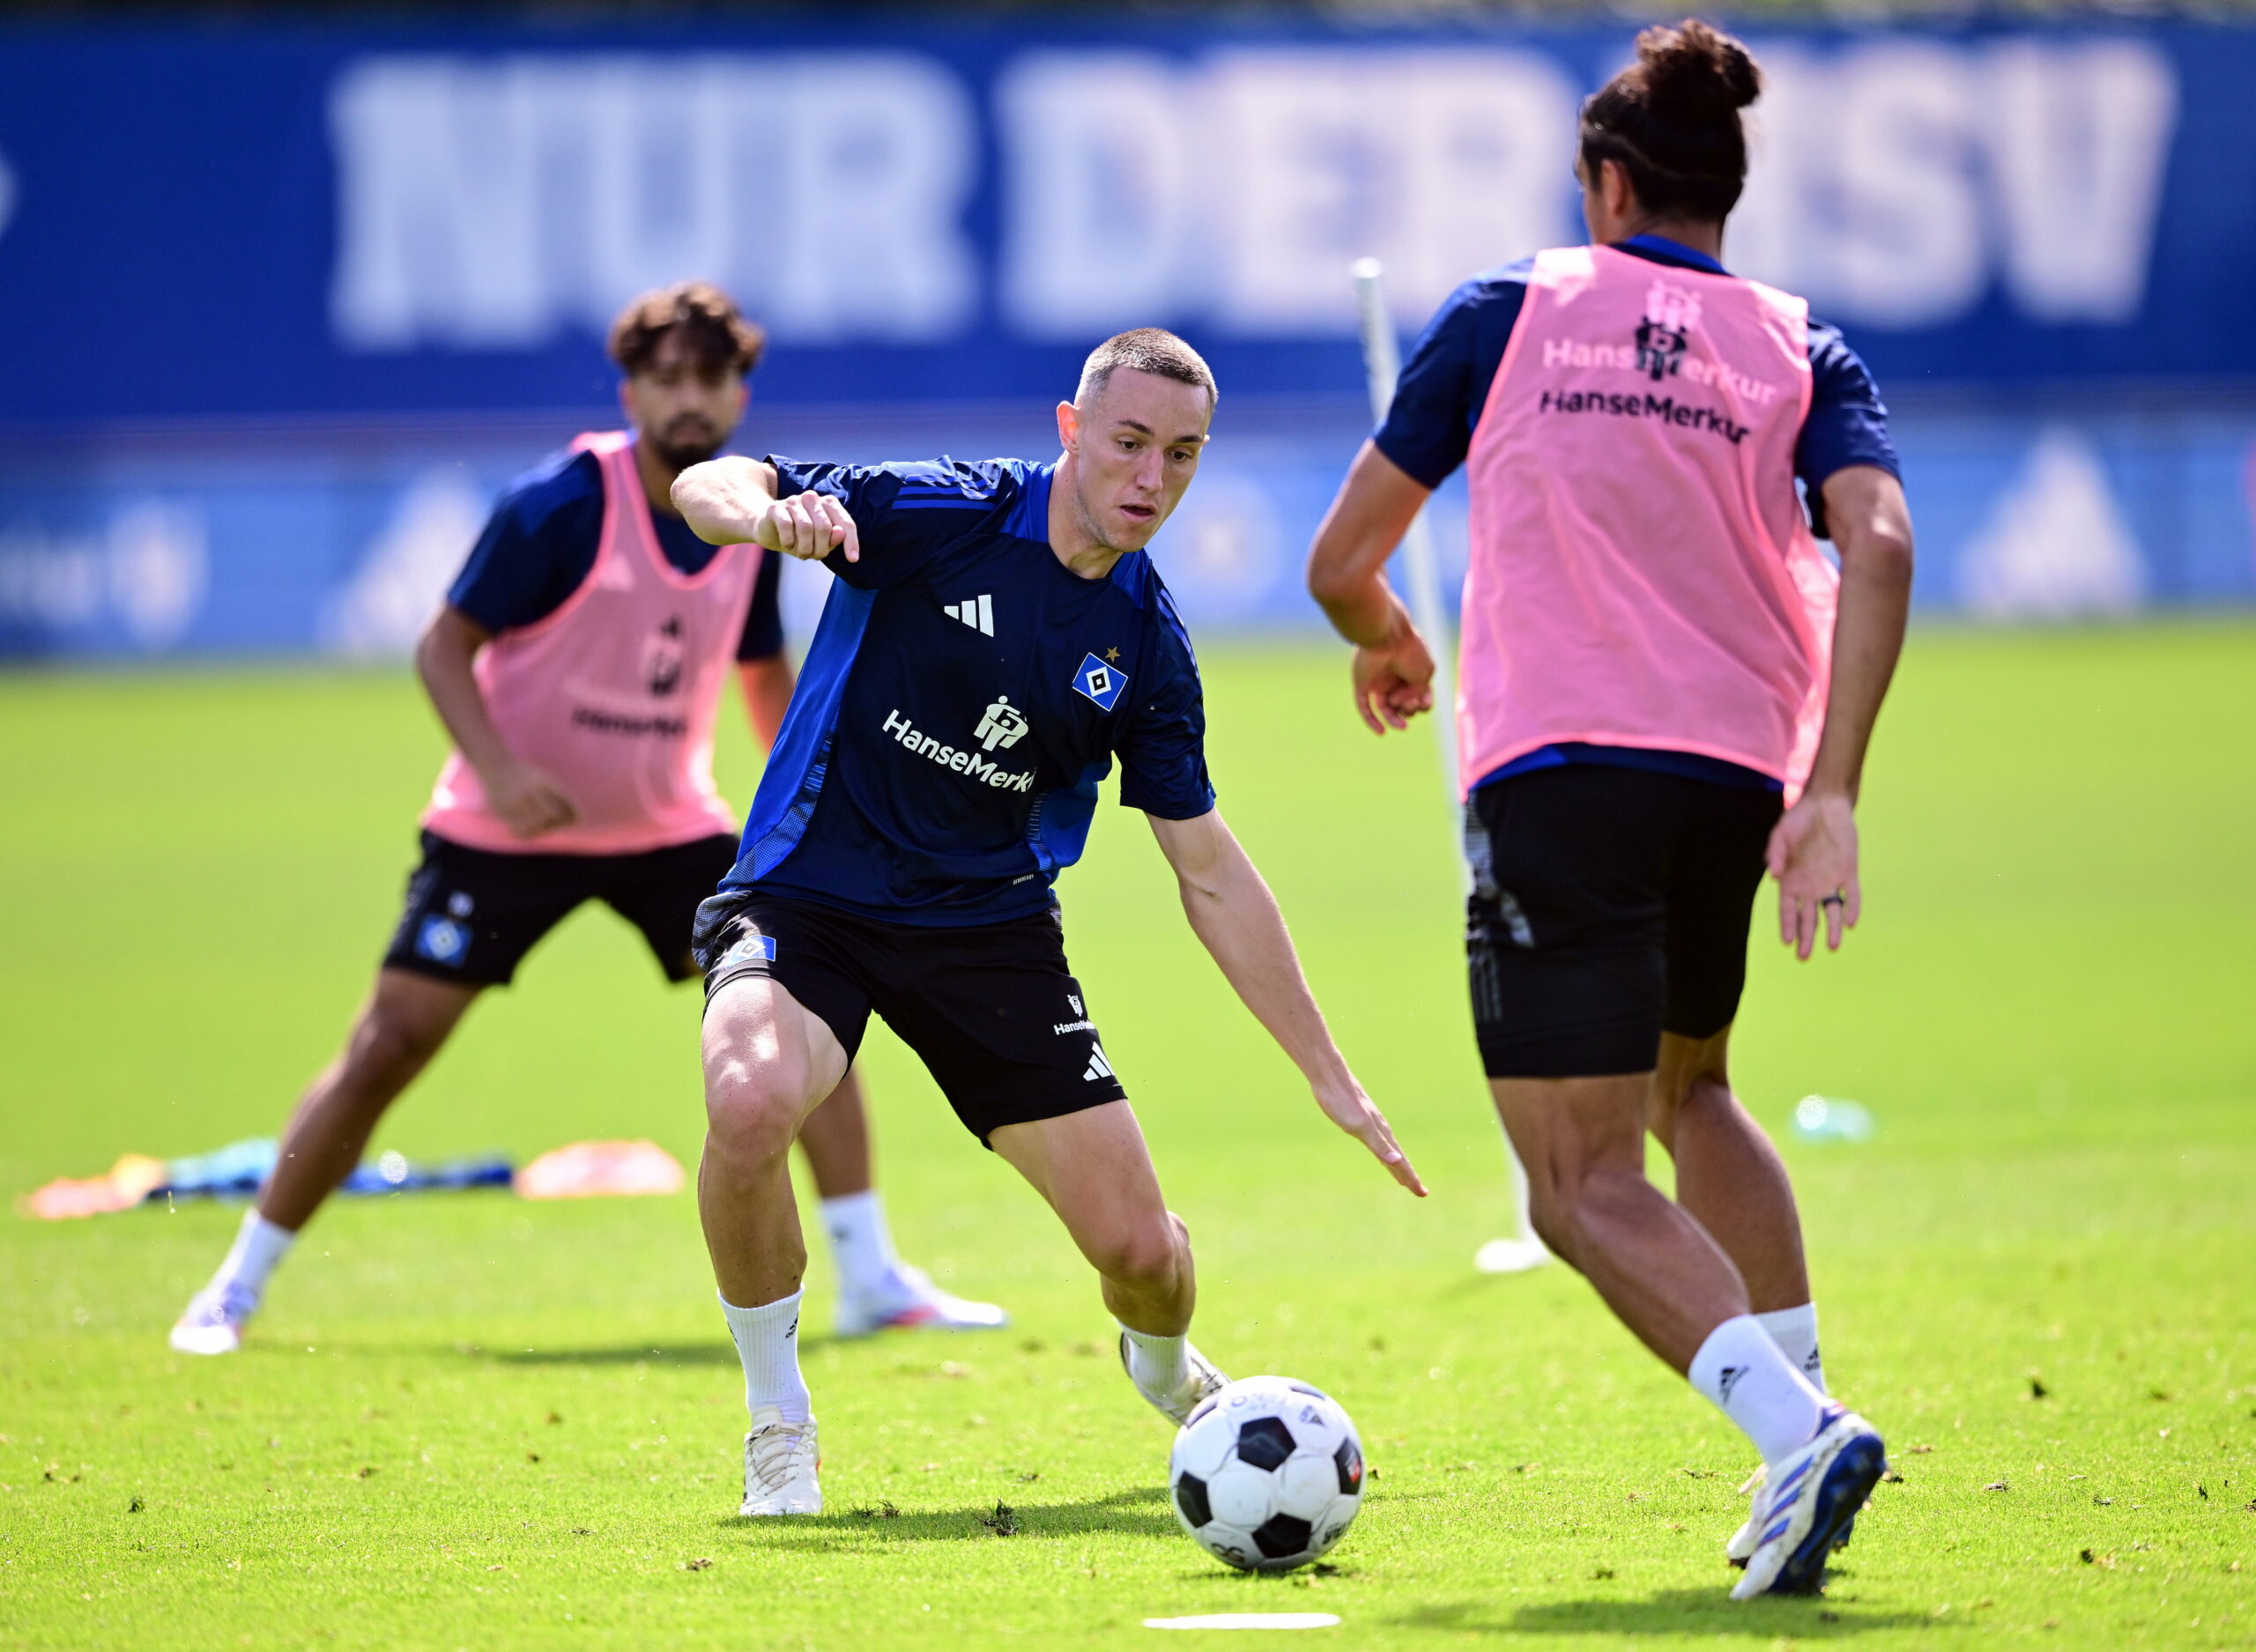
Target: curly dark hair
pixel 715 330
pixel 1672 120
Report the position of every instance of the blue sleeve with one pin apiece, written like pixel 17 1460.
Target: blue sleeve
pixel 1847 423
pixel 1437 400
pixel 763 621
pixel 538 546
pixel 1163 745
pixel 904 511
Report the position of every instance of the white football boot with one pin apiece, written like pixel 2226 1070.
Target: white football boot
pixel 1200 1378
pixel 781 1461
pixel 1807 1502
pixel 213 1321
pixel 912 1301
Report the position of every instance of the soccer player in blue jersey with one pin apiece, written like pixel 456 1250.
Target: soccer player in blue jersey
pixel 997 637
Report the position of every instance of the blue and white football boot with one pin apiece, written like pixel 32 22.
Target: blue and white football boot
pixel 1807 1504
pixel 1740 1549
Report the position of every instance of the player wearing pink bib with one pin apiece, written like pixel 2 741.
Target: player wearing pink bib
pixel 1666 687
pixel 579 665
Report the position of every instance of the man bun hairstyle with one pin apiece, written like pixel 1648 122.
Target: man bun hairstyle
pixel 1672 120
pixel 1145 350
pixel 713 329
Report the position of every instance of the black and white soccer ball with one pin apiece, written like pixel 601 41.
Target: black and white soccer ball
pixel 1267 1474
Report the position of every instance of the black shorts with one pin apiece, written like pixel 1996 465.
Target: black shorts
pixel 990 1009
pixel 472 914
pixel 1610 904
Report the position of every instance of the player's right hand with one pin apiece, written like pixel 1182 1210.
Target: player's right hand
pixel 1394 681
pixel 528 802
pixel 809 526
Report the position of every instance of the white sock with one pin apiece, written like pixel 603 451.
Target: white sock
pixel 1741 1370
pixel 251 1260
pixel 767 1342
pixel 861 1243
pixel 1156 1362
pixel 1795 1331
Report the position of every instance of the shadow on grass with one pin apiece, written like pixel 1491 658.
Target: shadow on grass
pixel 690 1353
pixel 1680 1611
pixel 1140 1512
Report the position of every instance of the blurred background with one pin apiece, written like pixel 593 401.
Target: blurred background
pixel 290 293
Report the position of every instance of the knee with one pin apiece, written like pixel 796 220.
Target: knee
pixel 1585 1209
pixel 1145 1256
pixel 752 1109
pixel 1571 1205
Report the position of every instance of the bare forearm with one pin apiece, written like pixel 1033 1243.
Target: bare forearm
pixel 1874 535
pixel 443 659
pixel 1347 563
pixel 1236 917
pixel 721 500
pixel 1868 637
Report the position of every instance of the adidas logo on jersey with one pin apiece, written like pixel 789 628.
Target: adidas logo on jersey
pixel 978 612
pixel 1098 1068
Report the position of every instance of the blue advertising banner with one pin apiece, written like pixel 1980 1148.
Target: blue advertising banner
pixel 287 304
pixel 293 219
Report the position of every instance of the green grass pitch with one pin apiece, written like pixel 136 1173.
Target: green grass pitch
pixel 469 1421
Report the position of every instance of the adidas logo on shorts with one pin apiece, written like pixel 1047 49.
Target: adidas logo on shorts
pixel 1098 1068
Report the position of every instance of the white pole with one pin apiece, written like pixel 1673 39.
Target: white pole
pixel 1381 367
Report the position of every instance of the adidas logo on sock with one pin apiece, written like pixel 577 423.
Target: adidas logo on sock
pixel 1098 1068
pixel 978 612
pixel 1726 1380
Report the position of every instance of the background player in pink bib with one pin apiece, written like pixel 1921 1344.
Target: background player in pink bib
pixel 579 663
pixel 1665 687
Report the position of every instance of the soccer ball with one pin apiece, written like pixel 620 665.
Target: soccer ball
pixel 1267 1474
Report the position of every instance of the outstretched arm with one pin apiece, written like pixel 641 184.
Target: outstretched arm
pixel 1393 672
pixel 733 502
pixel 1232 913
pixel 1813 851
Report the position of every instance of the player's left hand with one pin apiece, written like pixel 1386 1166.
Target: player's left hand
pixel 1394 681
pixel 1353 1112
pixel 1812 854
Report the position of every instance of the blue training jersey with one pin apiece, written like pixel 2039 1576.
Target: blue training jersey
pixel 963 695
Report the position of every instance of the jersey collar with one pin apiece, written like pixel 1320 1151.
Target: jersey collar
pixel 1029 518
pixel 1660 249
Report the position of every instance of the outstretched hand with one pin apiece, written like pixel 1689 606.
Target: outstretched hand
pixel 1356 1113
pixel 1812 854
pixel 1394 681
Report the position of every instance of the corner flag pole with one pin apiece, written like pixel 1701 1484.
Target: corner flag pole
pixel 1381 367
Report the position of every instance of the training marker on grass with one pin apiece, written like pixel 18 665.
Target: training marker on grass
pixel 1247 1620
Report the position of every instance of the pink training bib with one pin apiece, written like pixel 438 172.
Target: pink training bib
pixel 1641 571
pixel 614 694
